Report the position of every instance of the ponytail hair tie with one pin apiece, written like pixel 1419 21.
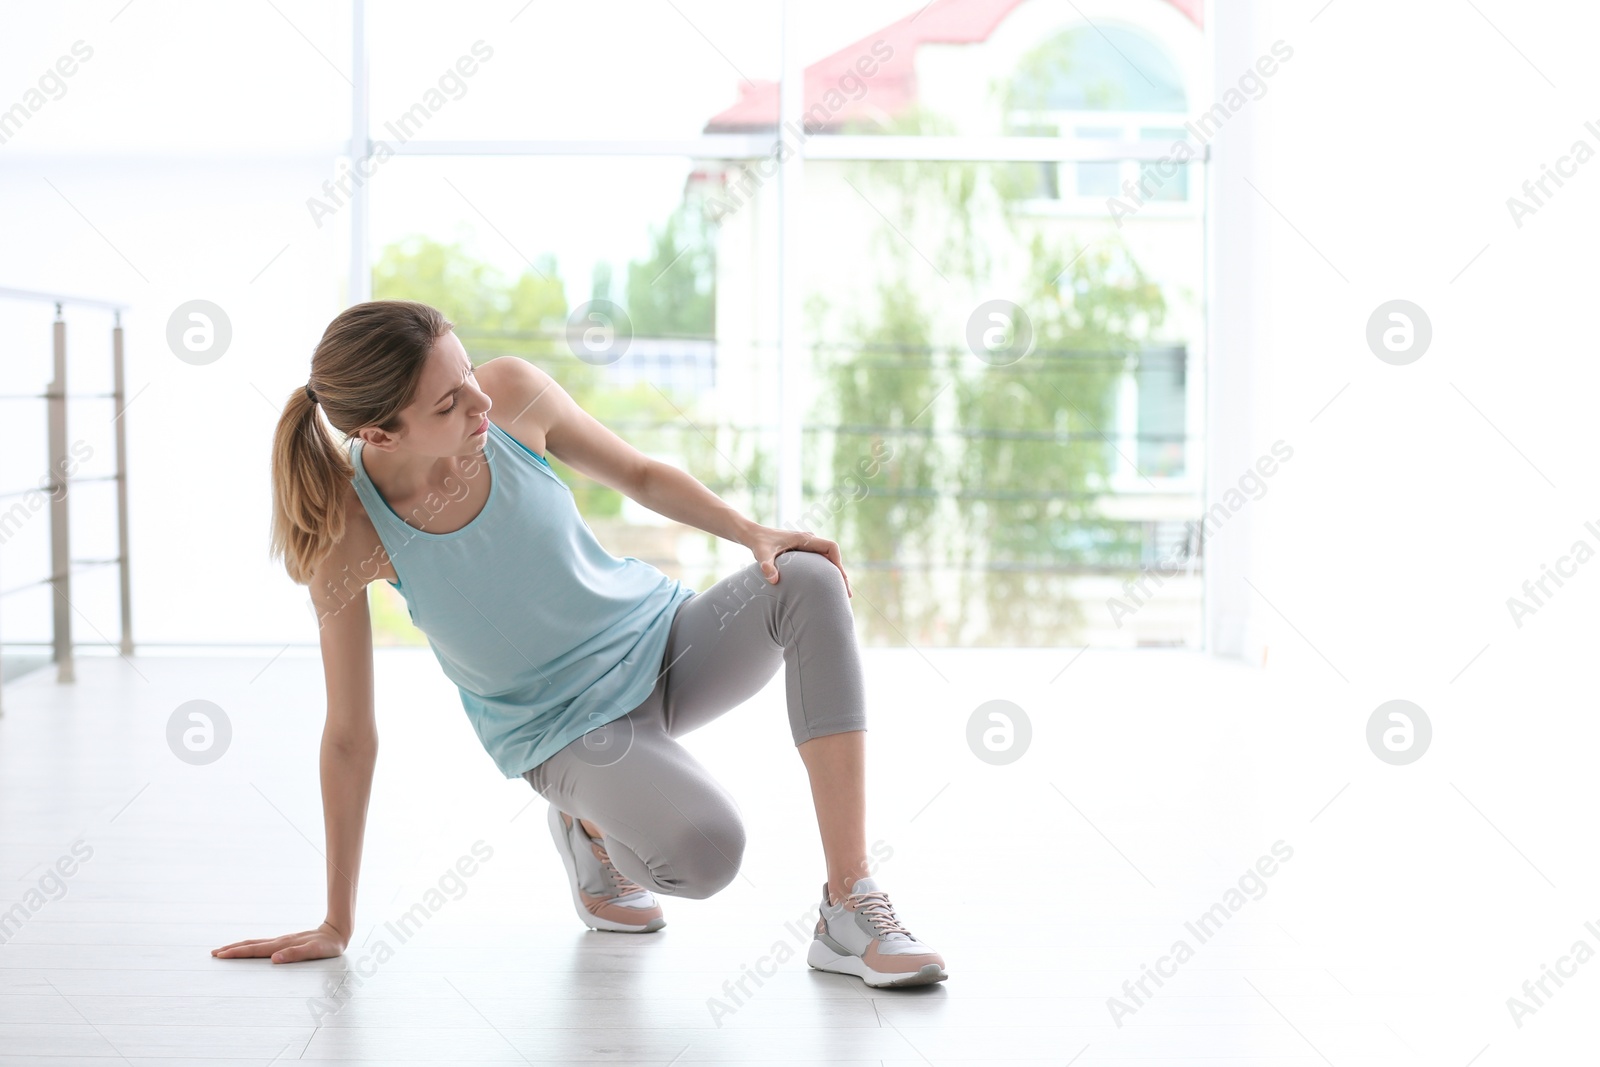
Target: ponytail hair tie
pixel 309 394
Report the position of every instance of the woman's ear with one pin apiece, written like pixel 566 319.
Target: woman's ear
pixel 382 440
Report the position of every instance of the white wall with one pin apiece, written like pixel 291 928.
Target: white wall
pixel 1422 497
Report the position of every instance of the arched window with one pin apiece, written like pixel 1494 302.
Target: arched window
pixel 1100 83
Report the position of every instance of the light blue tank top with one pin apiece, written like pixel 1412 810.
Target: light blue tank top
pixel 545 633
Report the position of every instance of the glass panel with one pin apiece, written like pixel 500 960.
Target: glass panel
pixel 1165 181
pixel 1043 179
pixel 674 351
pixel 1163 403
pixel 968 440
pixel 1106 68
pixel 1098 179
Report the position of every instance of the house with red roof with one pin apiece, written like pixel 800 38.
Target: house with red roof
pixel 944 23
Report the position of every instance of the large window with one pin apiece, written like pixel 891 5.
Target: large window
pixel 859 318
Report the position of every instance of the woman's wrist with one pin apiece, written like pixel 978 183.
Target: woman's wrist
pixel 748 529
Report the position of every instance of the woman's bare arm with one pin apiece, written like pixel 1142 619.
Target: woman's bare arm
pixel 349 752
pixel 545 417
pixel 532 406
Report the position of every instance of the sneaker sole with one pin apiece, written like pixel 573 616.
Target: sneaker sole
pixel 824 958
pixel 559 833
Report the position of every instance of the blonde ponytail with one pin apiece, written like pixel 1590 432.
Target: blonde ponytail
pixel 365 370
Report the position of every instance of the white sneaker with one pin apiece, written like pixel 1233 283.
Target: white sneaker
pixel 604 897
pixel 861 936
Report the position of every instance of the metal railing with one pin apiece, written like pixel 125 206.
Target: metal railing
pixel 62 566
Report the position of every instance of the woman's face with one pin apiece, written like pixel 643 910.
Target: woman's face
pixel 449 408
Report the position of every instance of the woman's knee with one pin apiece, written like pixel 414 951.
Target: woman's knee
pixel 800 569
pixel 705 858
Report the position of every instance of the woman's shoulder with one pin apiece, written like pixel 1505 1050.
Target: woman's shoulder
pixel 360 552
pixel 515 385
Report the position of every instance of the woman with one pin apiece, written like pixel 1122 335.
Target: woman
pixel 578 670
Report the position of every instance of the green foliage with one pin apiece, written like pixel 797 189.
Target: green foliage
pixel 881 386
pixel 471 293
pixel 1056 407
pixel 673 292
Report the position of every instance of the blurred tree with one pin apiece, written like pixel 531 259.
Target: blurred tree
pixel 600 281
pixel 672 293
pixel 1042 448
pixel 999 482
pixel 881 459
pixel 473 294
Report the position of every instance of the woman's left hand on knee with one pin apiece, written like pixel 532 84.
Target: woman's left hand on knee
pixel 767 543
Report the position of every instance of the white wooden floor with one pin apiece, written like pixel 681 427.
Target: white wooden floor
pixel 1153 781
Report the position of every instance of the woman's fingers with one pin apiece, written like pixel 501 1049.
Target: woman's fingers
pixel 820 545
pixel 259 948
pixel 304 950
pixel 310 945
pixel 833 553
pixel 262 946
pixel 252 943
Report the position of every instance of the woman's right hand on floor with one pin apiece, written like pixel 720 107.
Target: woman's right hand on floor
pixel 322 943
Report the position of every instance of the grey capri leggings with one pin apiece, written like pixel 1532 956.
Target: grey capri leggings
pixel 669 825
